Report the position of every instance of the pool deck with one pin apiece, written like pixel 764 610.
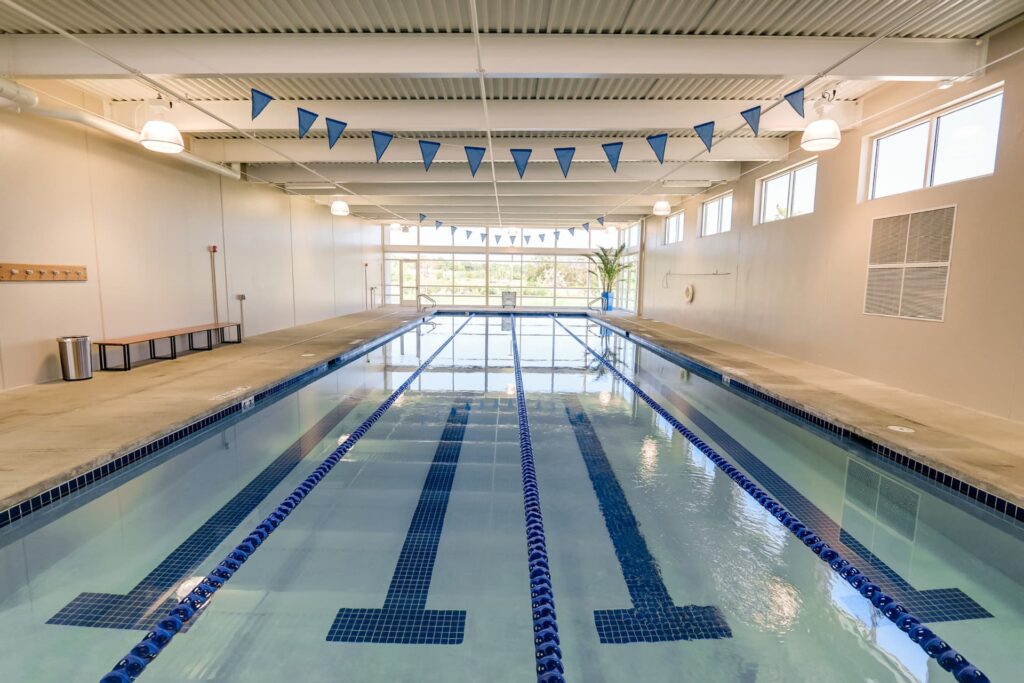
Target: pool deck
pixel 52 432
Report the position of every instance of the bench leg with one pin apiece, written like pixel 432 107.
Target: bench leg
pixel 103 356
pixel 127 358
pixel 152 350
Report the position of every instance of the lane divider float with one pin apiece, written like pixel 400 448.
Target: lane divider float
pixel 132 665
pixel 545 626
pixel 936 648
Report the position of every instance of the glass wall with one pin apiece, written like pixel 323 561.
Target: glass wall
pixel 474 266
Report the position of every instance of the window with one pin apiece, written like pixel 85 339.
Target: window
pixel 951 145
pixel 674 228
pixel 789 193
pixel 717 215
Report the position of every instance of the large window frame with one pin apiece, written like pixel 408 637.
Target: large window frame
pixel 934 137
pixel 705 212
pixel 791 172
pixel 564 277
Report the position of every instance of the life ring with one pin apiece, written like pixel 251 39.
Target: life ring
pixel 688 293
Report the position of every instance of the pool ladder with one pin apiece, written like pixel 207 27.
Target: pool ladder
pixel 420 307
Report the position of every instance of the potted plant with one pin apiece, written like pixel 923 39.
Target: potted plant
pixel 608 266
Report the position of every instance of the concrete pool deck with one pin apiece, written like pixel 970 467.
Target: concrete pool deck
pixel 52 432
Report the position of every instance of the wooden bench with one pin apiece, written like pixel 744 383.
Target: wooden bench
pixel 171 335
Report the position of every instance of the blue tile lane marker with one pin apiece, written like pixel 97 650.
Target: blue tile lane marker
pixel 147 603
pixel 545 625
pixel 654 618
pixel 134 663
pixel 932 605
pixel 932 644
pixel 404 618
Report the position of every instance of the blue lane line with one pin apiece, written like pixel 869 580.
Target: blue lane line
pixel 545 624
pixel 654 617
pixel 932 605
pixel 135 662
pixel 404 617
pixel 147 603
pixel 932 644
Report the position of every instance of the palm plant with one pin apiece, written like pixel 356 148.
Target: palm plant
pixel 608 265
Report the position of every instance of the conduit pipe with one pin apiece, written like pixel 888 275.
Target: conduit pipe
pixel 26 101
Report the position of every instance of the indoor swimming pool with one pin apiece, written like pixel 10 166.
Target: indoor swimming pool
pixel 511 498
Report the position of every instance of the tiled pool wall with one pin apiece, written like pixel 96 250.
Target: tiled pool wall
pixel 962 491
pixel 61 491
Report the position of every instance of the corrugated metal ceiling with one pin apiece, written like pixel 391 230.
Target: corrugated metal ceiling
pixel 937 18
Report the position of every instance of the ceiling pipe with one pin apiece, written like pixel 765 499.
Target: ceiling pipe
pixel 16 95
pixel 27 102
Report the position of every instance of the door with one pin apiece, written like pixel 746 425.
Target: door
pixel 409 277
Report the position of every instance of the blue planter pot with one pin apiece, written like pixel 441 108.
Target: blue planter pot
pixel 607 301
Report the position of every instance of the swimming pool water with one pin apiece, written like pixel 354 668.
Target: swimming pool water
pixel 409 560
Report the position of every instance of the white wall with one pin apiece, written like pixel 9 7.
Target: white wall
pixel 797 285
pixel 142 224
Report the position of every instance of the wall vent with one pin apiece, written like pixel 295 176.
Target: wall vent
pixel 908 265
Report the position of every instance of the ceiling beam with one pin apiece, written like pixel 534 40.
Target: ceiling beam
pixel 453 55
pixel 474 203
pixel 587 149
pixel 505 115
pixel 435 193
pixel 448 173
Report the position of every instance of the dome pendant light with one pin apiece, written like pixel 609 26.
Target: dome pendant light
pixel 823 133
pixel 159 134
pixel 661 208
pixel 339 208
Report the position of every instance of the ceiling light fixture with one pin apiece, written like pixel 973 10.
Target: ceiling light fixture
pixel 159 134
pixel 823 133
pixel 662 208
pixel 339 207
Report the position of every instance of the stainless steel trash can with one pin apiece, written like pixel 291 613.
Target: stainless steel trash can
pixel 75 357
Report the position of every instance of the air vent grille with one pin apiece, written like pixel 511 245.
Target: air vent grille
pixel 908 264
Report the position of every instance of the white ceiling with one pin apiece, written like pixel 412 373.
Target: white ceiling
pixel 558 73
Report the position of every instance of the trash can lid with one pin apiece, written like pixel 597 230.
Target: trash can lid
pixel 73 337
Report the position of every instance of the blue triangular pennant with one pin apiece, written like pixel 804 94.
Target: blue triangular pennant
pixel 512 239
pixel 600 219
pixel 422 216
pixel 334 130
pixel 526 238
pixel 753 118
pixel 541 236
pixel 564 155
pixel 483 237
pixel 586 226
pixel 260 100
pixel 306 119
pixel 706 131
pixel 613 150
pixel 557 233
pixel 437 225
pixel 474 155
pixel 381 142
pixel 657 143
pixel 796 100
pixel 428 148
pixel 497 239
pixel 469 233
pixel 572 232
pixel 521 157
pixel 453 230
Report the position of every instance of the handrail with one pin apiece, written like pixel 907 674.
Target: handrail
pixel 420 307
pixel 590 304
